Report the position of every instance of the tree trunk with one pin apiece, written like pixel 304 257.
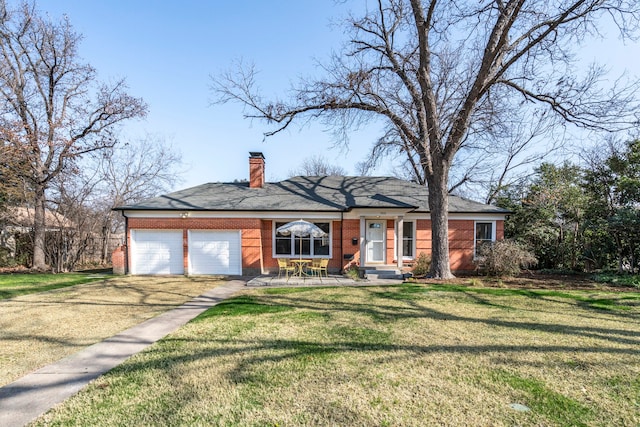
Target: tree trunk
pixel 39 230
pixel 620 253
pixel 439 209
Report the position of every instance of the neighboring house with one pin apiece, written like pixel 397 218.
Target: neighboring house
pixel 17 220
pixel 230 228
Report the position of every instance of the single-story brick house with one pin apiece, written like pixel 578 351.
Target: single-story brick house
pixel 230 228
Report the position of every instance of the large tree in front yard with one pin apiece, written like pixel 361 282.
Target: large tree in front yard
pixel 447 75
pixel 52 108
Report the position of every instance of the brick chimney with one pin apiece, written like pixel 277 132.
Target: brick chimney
pixel 256 170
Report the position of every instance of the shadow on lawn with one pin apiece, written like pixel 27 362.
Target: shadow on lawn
pixel 354 338
pixel 389 305
pixel 411 309
pixel 93 293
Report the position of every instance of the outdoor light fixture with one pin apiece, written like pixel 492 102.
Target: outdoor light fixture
pixel 184 214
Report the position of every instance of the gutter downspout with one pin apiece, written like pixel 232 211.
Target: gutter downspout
pixel 126 243
pixel 341 240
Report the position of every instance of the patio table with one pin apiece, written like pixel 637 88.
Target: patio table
pixel 300 265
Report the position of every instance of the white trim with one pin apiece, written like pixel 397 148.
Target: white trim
pixel 363 240
pixel 478 217
pixel 384 240
pixel 413 240
pixel 232 214
pixel 273 239
pixel 373 213
pixel 493 233
pixel 353 214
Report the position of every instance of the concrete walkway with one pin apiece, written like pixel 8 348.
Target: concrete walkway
pixel 29 397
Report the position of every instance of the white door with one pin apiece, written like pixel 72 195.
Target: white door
pixel 156 252
pixel 376 231
pixel 215 252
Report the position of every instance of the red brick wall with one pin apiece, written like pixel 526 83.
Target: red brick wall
pixel 257 239
pixel 335 263
pixel 499 230
pixel 118 260
pixel 256 172
pixel 461 241
pixel 423 236
pixel 270 264
pixel 390 236
pixel 250 240
pixel 350 230
pixel 461 244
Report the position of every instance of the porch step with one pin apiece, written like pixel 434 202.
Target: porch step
pixel 375 274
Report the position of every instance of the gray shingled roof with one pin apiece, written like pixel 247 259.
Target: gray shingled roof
pixel 304 193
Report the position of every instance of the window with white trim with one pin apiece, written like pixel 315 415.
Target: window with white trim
pixel 293 246
pixel 408 230
pixel 485 234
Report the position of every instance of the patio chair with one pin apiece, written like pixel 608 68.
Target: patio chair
pixel 284 266
pixel 320 266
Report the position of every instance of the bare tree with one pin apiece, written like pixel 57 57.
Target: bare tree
pixel 53 102
pixel 317 166
pixel 72 219
pixel 13 188
pixel 443 75
pixel 130 172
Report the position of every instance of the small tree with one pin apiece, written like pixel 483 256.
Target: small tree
pixel 612 183
pixel 550 215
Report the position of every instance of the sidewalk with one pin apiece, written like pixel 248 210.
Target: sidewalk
pixel 32 395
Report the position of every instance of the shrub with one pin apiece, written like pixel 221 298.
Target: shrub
pixel 422 265
pixel 504 258
pixel 352 272
pixel 617 279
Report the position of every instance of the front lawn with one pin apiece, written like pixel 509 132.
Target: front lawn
pixel 15 284
pixel 45 327
pixel 375 356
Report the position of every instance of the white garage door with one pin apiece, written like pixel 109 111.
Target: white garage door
pixel 214 252
pixel 156 252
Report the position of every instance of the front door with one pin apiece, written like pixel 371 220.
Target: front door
pixel 375 240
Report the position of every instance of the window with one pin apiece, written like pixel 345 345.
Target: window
pixel 407 239
pixel 294 246
pixel 484 235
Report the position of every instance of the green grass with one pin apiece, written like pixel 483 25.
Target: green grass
pixel 590 299
pixel 557 408
pixel 399 355
pixel 13 285
pixel 240 306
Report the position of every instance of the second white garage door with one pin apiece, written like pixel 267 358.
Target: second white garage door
pixel 215 252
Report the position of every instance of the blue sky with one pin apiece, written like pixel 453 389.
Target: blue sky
pixel 167 50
